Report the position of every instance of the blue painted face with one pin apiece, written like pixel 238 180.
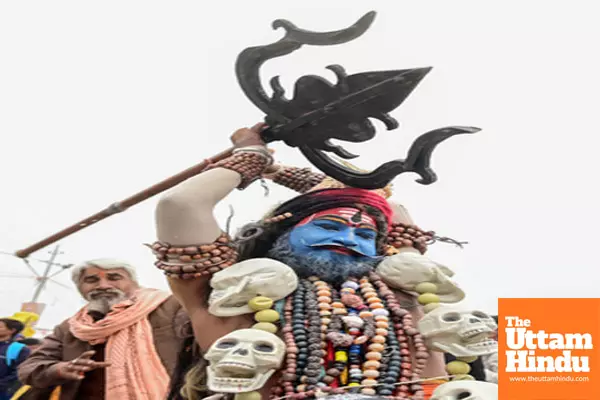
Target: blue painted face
pixel 334 237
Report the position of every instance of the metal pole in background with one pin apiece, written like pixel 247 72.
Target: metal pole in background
pixel 31 311
pixel 42 280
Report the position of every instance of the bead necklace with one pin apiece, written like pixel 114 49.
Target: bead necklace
pixel 376 341
pixel 299 332
pixel 334 366
pixel 315 355
pixel 266 318
pixel 351 341
pixel 406 335
pixel 288 377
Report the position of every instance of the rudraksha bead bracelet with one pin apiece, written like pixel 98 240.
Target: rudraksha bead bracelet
pixel 194 261
pixel 300 180
pixel 249 162
pixel 404 235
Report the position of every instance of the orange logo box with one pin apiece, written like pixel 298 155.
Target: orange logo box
pixel 549 349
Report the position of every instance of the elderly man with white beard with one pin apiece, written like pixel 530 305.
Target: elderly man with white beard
pixel 123 344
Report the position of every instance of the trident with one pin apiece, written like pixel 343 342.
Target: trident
pixel 318 112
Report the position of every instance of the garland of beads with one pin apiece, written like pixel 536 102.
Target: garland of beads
pixel 194 261
pixel 428 297
pixel 330 322
pixel 288 376
pixel 310 378
pixel 265 317
pixel 375 312
pixel 345 341
pixel 406 335
pixel 405 235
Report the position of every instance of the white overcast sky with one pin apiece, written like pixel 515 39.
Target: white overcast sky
pixel 99 100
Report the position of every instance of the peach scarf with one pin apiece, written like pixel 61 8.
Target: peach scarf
pixel 137 372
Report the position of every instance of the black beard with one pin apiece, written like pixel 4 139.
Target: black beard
pixel 334 270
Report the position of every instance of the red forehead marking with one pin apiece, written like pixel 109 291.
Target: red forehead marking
pixel 99 273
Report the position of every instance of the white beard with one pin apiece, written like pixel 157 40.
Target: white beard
pixel 102 304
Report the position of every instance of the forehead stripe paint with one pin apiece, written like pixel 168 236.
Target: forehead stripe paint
pixel 351 212
pixel 332 218
pixel 348 213
pixel 343 212
pixel 367 226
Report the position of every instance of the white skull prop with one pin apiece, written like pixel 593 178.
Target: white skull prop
pixel 243 360
pixel 407 269
pixel 466 390
pixel 490 366
pixel 233 287
pixel 462 333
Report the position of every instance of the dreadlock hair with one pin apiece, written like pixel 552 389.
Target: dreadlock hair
pixel 195 387
pixel 188 381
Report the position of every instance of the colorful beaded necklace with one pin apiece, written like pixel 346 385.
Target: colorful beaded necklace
pixel 351 339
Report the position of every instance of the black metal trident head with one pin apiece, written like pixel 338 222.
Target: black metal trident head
pixel 320 111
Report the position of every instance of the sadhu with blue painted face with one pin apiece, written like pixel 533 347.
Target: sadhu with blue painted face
pixel 317 298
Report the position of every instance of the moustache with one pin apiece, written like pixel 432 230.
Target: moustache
pixel 329 246
pixel 105 292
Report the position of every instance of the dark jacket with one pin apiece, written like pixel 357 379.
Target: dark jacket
pixel 8 375
pixel 170 326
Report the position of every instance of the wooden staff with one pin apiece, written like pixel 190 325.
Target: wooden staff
pixel 123 205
